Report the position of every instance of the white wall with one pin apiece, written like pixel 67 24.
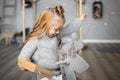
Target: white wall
pixel 105 29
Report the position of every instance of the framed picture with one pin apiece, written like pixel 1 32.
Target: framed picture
pixel 97 9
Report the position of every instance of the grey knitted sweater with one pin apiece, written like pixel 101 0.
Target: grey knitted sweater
pixel 44 51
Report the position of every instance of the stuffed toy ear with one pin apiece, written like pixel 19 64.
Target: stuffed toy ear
pixel 78 64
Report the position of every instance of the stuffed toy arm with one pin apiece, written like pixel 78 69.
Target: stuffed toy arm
pixel 63 62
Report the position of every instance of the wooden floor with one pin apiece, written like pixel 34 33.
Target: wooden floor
pixel 104 61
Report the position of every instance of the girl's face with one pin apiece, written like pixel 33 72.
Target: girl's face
pixel 55 28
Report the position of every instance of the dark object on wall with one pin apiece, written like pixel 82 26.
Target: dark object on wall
pixel 97 10
pixel 83 1
pixel 28 3
pixel 20 34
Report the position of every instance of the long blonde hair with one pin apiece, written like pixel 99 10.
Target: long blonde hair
pixel 44 21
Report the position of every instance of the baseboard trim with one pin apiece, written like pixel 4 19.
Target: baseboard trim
pixel 101 41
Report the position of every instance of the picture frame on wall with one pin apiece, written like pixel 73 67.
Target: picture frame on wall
pixel 97 10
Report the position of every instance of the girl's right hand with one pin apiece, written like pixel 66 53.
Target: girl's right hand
pixel 22 67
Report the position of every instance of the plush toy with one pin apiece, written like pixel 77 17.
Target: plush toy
pixel 70 62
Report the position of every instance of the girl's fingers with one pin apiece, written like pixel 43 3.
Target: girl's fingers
pixel 22 68
pixel 83 16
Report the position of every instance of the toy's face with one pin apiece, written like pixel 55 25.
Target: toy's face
pixel 61 55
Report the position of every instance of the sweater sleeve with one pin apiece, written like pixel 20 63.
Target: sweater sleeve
pixel 71 27
pixel 28 49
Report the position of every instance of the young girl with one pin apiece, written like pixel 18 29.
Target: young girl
pixel 41 46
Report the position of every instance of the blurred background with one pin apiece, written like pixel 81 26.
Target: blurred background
pixel 99 33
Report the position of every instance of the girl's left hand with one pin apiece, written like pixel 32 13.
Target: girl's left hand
pixel 83 16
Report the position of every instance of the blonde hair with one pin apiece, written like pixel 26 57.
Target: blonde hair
pixel 44 21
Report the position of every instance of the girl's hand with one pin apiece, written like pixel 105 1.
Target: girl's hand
pixel 83 16
pixel 22 67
